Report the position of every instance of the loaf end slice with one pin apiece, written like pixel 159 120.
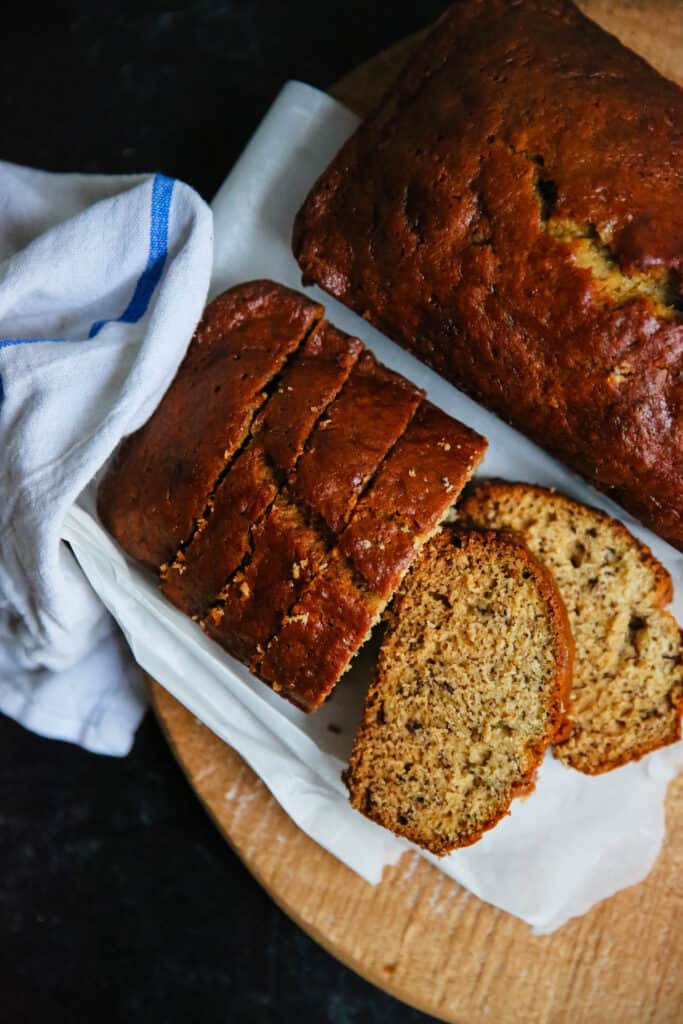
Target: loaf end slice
pixel 628 670
pixel 163 475
pixel 471 687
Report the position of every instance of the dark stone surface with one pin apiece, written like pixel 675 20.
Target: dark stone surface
pixel 118 899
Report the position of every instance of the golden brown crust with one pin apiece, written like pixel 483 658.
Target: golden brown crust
pixel 312 380
pixel 216 550
pixel 417 483
pixel 406 607
pixel 286 555
pixel 352 439
pixel 511 214
pixel 320 636
pixel 162 476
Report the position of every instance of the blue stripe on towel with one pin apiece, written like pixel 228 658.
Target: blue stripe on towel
pixel 162 194
pixel 162 191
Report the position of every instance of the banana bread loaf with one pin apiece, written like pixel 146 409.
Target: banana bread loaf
pixel 512 214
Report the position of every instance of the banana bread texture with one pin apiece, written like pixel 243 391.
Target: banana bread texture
pixel 472 684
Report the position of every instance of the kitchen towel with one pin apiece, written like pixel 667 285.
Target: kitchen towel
pixel 102 281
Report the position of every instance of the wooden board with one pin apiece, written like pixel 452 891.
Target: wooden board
pixel 419 935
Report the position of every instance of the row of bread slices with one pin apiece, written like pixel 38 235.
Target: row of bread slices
pixel 284 485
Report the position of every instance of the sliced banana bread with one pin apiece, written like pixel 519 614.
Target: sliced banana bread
pixel 320 636
pixel 329 441
pixel 471 687
pixel 627 692
pixel 305 600
pixel 309 382
pixel 164 473
pixel 286 555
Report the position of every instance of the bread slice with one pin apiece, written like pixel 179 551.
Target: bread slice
pixel 416 485
pixel 320 636
pixel 627 693
pixel 222 536
pixel 286 555
pixel 350 442
pixel 471 687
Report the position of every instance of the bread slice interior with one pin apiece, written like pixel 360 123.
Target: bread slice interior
pixel 627 692
pixel 470 689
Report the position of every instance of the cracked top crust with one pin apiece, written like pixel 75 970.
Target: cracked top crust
pixel 512 214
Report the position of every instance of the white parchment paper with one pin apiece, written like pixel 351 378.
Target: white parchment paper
pixel 576 839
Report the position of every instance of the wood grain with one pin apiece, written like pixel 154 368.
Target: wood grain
pixel 418 934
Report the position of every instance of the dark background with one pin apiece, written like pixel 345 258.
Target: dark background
pixel 118 899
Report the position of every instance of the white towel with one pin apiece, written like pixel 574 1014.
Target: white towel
pixel 102 281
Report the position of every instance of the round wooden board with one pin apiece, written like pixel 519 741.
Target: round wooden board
pixel 419 935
